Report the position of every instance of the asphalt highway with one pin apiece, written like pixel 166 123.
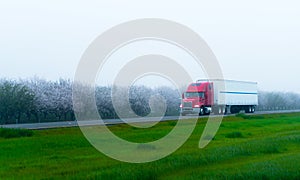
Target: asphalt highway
pixel 47 125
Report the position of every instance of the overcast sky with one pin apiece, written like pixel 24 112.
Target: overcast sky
pixel 254 40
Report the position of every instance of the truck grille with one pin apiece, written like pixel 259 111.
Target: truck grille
pixel 187 104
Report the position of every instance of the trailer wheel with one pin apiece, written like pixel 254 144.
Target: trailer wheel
pixel 248 109
pixel 253 109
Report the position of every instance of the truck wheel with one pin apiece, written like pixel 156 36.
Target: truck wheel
pixel 201 113
pixel 220 110
pixel 208 113
pixel 183 114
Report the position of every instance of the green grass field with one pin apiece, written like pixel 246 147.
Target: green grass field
pixel 245 147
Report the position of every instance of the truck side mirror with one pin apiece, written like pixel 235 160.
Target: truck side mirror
pixel 182 95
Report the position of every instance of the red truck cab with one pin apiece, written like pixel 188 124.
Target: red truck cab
pixel 198 98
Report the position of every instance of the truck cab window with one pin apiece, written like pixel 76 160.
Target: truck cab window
pixel 194 94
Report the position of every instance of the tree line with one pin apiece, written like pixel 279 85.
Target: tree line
pixel 38 100
pixel 278 101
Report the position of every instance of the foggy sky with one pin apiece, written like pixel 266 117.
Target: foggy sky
pixel 253 40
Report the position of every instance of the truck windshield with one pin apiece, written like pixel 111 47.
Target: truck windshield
pixel 194 94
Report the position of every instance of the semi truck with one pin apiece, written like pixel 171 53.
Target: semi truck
pixel 219 96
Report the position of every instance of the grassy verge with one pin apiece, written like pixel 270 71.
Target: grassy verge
pixel 256 147
pixel 14 133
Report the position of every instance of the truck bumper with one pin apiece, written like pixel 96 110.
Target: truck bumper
pixel 194 110
pixel 190 110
